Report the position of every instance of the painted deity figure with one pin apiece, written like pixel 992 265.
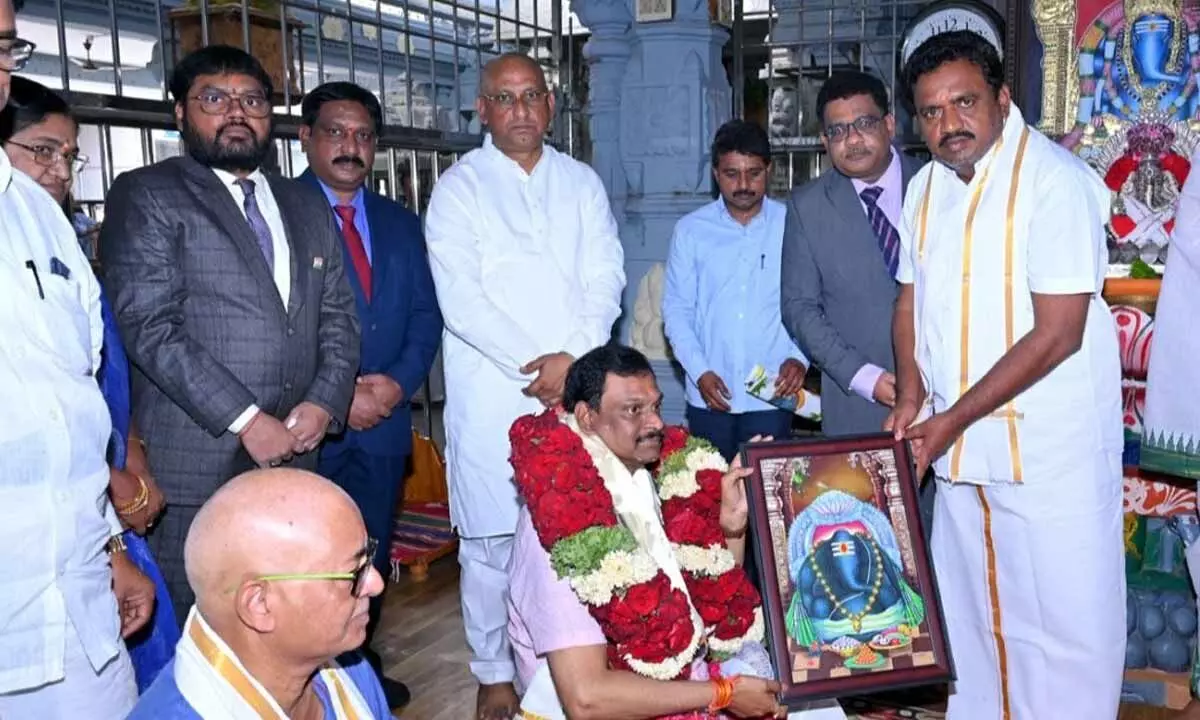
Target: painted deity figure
pixel 845 564
pixel 1139 57
pixel 1146 180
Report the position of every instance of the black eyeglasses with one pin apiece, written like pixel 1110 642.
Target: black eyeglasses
pixel 863 124
pixel 49 156
pixel 219 102
pixel 14 53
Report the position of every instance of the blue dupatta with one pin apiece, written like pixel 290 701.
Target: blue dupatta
pixel 154 645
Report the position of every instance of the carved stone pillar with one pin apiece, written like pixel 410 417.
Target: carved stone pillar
pixel 607 53
pixel 674 96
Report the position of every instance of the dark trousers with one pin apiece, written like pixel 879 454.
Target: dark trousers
pixel 166 542
pixel 729 430
pixel 375 483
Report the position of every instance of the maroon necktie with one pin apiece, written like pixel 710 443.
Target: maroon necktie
pixel 354 243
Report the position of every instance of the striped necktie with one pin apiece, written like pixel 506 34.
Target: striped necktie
pixel 885 232
pixel 258 223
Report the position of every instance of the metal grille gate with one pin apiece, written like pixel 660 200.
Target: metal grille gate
pixel 783 50
pixel 420 57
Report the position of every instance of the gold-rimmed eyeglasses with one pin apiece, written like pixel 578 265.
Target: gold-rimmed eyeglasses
pixel 49 156
pixel 528 98
pixel 357 576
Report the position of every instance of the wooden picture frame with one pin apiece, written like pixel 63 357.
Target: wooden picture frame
pixel 838 625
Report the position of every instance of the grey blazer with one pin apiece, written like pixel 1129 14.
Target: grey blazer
pixel 837 296
pixel 203 323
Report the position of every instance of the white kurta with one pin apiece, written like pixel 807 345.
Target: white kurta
pixel 524 264
pixel 1027 540
pixel 1171 428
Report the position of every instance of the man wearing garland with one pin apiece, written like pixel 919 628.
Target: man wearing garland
pixel 1000 328
pixel 611 604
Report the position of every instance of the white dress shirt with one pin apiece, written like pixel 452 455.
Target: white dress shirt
pixel 55 515
pixel 524 264
pixel 282 272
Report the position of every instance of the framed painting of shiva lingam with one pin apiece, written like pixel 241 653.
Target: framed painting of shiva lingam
pixel 848 589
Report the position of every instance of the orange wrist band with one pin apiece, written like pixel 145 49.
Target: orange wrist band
pixel 722 694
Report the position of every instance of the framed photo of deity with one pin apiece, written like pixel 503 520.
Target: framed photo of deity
pixel 849 595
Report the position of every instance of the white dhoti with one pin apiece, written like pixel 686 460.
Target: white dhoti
pixel 1032 583
pixel 483 586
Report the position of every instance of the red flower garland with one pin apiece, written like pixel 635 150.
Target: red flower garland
pixel 651 621
pixel 727 602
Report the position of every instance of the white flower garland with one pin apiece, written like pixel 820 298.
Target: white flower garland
pixel 618 570
pixel 713 560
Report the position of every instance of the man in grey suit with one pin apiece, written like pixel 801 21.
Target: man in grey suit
pixel 841 246
pixel 229 290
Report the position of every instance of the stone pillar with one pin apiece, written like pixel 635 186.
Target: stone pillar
pixel 674 96
pixel 607 53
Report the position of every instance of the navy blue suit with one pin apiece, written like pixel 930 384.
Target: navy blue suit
pixel 401 329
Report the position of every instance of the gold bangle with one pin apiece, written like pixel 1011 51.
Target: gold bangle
pixel 140 501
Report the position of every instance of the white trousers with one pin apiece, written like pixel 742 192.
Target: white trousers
pixel 1032 583
pixel 82 693
pixel 483 585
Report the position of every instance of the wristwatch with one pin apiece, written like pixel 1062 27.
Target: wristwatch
pixel 116 544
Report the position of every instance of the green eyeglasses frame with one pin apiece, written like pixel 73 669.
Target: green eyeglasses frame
pixel 356 576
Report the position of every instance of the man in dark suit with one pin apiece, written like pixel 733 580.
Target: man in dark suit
pixel 841 246
pixel 384 249
pixel 229 289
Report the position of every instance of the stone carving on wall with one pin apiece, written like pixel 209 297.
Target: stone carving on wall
pixel 658 123
pixel 648 335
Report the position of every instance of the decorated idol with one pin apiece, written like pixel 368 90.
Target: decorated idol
pixel 627 594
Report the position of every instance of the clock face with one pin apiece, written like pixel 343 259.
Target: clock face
pixel 949 19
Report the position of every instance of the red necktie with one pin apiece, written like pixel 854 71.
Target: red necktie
pixel 354 243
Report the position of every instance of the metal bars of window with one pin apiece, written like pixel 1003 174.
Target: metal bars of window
pixel 783 51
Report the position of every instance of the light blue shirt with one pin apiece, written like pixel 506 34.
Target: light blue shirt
pixel 721 299
pixel 360 215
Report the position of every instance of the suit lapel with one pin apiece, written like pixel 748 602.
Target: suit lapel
pixel 845 201
pixel 380 250
pixel 217 201
pixel 299 252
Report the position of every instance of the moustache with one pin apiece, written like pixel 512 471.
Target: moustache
pixel 856 153
pixel 351 159
pixel 650 436
pixel 242 125
pixel 961 135
pixel 743 194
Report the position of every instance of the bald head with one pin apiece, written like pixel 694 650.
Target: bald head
pixel 506 64
pixel 262 522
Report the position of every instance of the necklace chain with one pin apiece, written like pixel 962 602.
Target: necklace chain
pixel 876 585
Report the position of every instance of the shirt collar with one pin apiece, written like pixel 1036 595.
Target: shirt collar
pixel 228 178
pixel 759 218
pixel 357 202
pixel 6 171
pixel 497 155
pixel 891 177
